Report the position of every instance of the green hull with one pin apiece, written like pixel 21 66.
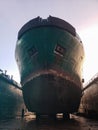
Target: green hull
pixel 11 101
pixel 50 63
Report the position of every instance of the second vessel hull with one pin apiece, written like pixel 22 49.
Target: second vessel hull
pixel 11 100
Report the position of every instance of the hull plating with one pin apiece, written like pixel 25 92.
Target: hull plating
pixel 11 101
pixel 89 101
pixel 49 94
pixel 50 63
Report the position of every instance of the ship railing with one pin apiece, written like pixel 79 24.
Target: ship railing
pixel 91 81
pixel 9 79
pixel 1 71
pixel 16 84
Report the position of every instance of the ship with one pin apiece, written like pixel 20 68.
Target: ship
pixel 11 100
pixel 89 101
pixel 50 54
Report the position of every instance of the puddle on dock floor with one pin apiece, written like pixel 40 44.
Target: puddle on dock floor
pixel 29 123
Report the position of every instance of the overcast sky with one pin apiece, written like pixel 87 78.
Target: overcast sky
pixel 82 14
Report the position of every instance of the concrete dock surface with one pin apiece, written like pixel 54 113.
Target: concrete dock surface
pixel 29 122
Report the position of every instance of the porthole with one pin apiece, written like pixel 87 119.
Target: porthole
pixel 60 50
pixel 32 51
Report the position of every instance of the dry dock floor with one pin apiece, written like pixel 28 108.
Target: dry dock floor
pixel 29 123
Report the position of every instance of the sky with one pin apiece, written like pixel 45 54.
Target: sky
pixel 82 14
